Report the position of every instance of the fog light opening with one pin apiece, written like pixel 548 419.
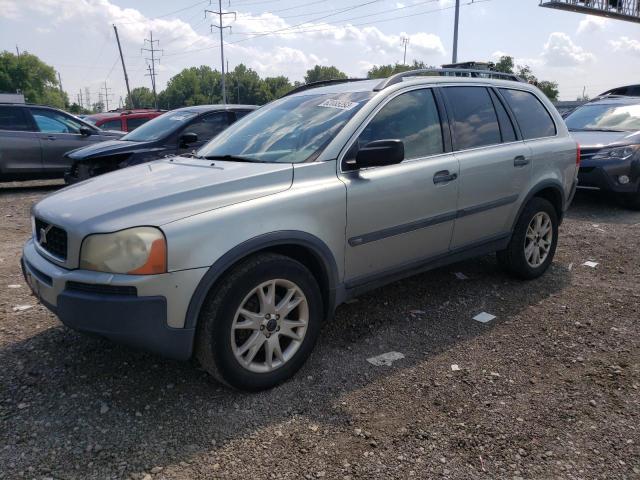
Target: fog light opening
pixel 623 179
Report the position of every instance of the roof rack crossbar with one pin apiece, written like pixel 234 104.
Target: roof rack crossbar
pixel 446 72
pixel 321 83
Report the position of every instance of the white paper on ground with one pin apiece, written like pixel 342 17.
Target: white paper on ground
pixel 385 359
pixel 591 264
pixel 484 317
pixel 461 276
pixel 455 367
pixel 22 308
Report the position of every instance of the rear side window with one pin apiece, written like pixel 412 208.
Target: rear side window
pixel 506 125
pixel 532 117
pixel 474 119
pixel 411 117
pixel 14 119
pixel 133 123
pixel 112 125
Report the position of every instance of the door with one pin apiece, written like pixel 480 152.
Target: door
pixel 19 142
pixel 495 165
pixel 59 134
pixel 206 127
pixel 398 215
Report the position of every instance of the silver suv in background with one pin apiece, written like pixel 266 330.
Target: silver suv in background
pixel 239 252
pixel 34 140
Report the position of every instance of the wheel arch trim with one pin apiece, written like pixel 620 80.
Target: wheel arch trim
pixel 539 187
pixel 316 246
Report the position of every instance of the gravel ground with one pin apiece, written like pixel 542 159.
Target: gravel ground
pixel 549 389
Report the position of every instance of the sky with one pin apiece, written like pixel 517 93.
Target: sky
pixel 287 37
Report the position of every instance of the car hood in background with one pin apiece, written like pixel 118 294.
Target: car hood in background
pixel 112 133
pixel 160 192
pixel 604 139
pixel 110 147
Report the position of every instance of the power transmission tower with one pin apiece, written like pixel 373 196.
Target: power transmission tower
pixel 81 99
pixel 152 65
pixel 405 42
pixel 106 95
pixel 87 97
pixel 124 68
pixel 221 27
pixel 455 33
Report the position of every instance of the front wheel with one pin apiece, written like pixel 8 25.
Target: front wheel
pixel 261 323
pixel 533 242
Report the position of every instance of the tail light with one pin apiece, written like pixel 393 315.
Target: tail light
pixel 578 154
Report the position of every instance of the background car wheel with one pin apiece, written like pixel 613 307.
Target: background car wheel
pixel 534 241
pixel 258 327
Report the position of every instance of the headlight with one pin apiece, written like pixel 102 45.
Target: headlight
pixel 135 251
pixel 617 153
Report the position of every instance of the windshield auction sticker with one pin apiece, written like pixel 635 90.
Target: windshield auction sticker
pixel 339 104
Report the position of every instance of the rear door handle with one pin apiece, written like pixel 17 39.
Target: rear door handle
pixel 520 161
pixel 444 176
pixel 49 137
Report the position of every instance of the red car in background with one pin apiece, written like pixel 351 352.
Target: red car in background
pixel 123 120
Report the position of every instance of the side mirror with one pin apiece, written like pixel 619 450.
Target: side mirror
pixel 85 131
pixel 188 138
pixel 380 153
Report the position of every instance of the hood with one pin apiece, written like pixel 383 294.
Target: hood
pixel 604 139
pixel 109 147
pixel 160 192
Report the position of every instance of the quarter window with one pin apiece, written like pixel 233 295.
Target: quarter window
pixel 474 119
pixel 532 117
pixel 411 117
pixel 506 125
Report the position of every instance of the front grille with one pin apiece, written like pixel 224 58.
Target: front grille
pixel 103 289
pixel 51 238
pixel 587 153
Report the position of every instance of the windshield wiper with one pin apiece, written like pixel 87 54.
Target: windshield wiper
pixel 230 158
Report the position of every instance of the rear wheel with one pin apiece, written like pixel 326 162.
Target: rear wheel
pixel 260 325
pixel 534 241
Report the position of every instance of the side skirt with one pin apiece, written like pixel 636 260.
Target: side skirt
pixel 359 285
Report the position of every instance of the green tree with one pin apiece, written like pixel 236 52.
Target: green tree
pixel 384 71
pixel 505 64
pixel 277 86
pixel 319 73
pixel 142 98
pixel 31 76
pixel 244 85
pixel 192 86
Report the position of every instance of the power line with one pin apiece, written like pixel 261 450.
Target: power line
pixel 221 28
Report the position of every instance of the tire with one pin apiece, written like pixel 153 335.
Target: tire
pixel 519 260
pixel 223 332
pixel 631 200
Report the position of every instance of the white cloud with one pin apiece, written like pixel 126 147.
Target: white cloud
pixel 561 51
pixel 626 44
pixel 9 9
pixel 592 24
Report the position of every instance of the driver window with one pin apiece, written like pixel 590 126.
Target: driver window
pixel 49 121
pixel 208 126
pixel 411 117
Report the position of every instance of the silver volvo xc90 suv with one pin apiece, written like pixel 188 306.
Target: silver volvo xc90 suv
pixel 237 253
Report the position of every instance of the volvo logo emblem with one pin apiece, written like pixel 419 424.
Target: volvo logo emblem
pixel 42 238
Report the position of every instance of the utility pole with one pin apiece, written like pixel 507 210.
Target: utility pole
pixel 106 95
pixel 221 27
pixel 80 98
pixel 124 68
pixel 60 83
pixel 405 42
pixel 17 50
pixel 455 33
pixel 87 97
pixel 153 59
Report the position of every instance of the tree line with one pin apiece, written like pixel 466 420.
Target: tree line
pixel 202 85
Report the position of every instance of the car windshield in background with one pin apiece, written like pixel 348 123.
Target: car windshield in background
pixel 616 118
pixel 159 126
pixel 92 121
pixel 290 130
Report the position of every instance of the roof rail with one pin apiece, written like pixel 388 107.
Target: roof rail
pixel 320 83
pixel 446 72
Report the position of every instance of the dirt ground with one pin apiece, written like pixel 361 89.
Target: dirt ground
pixel 549 389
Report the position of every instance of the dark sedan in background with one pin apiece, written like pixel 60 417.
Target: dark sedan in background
pixel 34 140
pixel 176 132
pixel 608 131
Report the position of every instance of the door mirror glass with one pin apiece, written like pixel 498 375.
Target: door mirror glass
pixel 188 138
pixel 85 131
pixel 380 153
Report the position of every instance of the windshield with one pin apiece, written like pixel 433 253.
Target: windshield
pixel 605 117
pixel 289 130
pixel 159 126
pixel 90 120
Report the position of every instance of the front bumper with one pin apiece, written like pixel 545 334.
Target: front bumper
pixel 135 310
pixel 603 175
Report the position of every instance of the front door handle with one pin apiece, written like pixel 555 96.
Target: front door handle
pixel 49 137
pixel 520 161
pixel 444 176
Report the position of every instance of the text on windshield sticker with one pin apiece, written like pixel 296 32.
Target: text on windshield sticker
pixel 339 104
